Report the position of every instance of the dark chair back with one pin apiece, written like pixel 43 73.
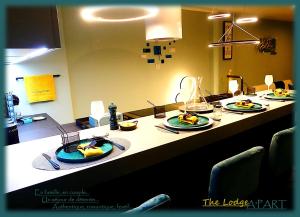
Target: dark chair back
pixel 279 84
pixel 237 176
pixel 281 152
pixel 150 204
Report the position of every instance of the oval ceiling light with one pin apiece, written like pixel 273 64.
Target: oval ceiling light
pixel 166 26
pixel 117 13
pixel 247 20
pixel 218 16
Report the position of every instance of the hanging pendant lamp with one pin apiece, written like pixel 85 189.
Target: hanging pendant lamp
pixel 221 43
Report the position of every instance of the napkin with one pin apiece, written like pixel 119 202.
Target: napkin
pixel 90 151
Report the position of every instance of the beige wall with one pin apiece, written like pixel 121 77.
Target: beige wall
pixel 105 64
pixel 252 65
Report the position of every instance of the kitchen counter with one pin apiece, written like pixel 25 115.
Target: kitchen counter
pixel 38 129
pixel 42 129
pixel 149 145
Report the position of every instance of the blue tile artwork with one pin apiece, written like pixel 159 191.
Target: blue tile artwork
pixel 146 50
pixel 151 60
pixel 157 52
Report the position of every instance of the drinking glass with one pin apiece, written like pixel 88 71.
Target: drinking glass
pixel 268 81
pixel 217 112
pixel 233 86
pixel 159 111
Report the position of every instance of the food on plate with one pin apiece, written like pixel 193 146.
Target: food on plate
pixel 128 125
pixel 188 118
pixel 244 103
pixel 281 92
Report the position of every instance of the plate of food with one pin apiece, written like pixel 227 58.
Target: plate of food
pixel 188 122
pixel 280 94
pixel 244 106
pixel 84 151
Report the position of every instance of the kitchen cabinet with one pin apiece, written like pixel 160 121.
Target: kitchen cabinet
pixel 32 27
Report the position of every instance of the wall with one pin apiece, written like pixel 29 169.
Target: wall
pixel 52 63
pixel 104 62
pixel 252 65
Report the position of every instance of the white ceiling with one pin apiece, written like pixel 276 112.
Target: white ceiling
pixel 273 12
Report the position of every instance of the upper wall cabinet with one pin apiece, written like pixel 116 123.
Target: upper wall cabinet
pixel 32 27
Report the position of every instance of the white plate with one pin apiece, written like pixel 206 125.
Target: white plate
pixel 38 118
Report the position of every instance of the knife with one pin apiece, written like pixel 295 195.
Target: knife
pixel 121 147
pixel 164 128
pixel 55 165
pixel 234 112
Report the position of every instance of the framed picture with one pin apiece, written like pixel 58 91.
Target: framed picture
pixel 227 49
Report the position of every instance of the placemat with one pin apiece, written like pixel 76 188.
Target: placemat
pixel 41 163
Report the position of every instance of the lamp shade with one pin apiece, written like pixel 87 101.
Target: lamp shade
pixel 165 26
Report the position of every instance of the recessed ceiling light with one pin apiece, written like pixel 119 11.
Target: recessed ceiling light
pixel 112 13
pixel 247 20
pixel 218 16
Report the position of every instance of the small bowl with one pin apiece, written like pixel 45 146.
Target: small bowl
pixel 127 126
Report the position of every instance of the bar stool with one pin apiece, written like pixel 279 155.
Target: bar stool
pixel 150 204
pixel 280 163
pixel 236 177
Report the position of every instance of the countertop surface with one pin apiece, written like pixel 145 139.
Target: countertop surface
pixel 38 129
pixel 149 145
pixel 42 128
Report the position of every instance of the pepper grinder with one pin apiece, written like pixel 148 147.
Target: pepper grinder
pixel 113 117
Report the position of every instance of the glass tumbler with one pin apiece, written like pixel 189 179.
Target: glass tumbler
pixel 217 112
pixel 159 111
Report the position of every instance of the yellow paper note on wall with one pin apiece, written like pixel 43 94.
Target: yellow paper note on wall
pixel 40 88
